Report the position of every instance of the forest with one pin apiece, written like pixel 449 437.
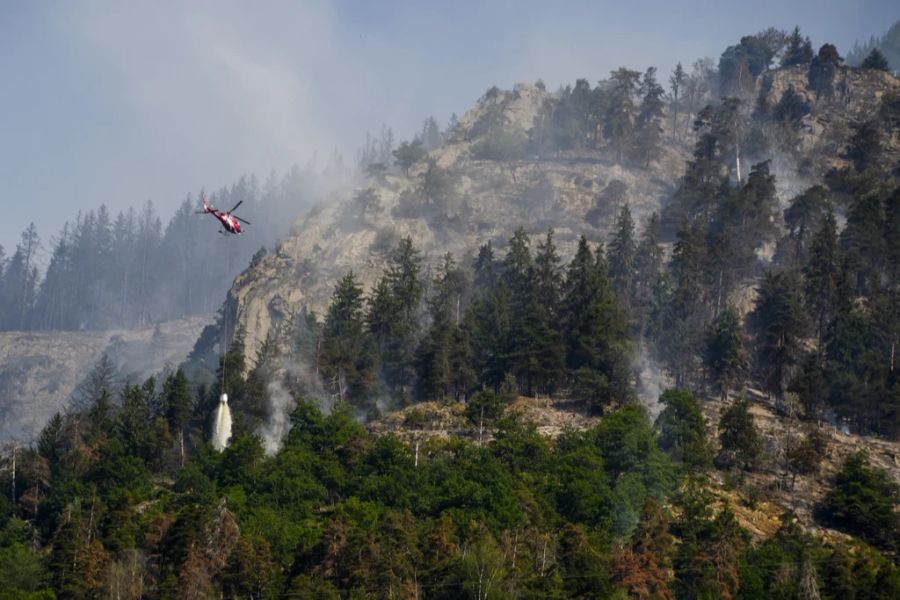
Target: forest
pixel 123 496
pixel 126 271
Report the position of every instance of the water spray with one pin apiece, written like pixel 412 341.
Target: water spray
pixel 221 433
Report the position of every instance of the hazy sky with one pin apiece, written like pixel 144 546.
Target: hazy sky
pixel 120 102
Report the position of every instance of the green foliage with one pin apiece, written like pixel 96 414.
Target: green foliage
pixel 799 50
pixel 822 70
pixel 484 407
pixel 409 153
pixel 725 357
pixel 863 502
pixel 780 325
pixel 683 429
pixel 739 437
pixel 346 356
pixel 875 60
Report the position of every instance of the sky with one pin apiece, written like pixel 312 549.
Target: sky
pixel 123 102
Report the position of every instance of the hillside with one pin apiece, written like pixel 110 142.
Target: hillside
pixel 487 200
pixel 39 370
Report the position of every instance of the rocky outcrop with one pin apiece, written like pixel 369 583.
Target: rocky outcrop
pixel 489 200
pixel 575 192
pixel 822 135
pixel 40 369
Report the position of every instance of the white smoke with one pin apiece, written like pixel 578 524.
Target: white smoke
pixel 288 374
pixel 274 429
pixel 652 381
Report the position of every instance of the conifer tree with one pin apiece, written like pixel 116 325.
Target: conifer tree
pixel 683 429
pixel 177 403
pixel 780 324
pixel 875 60
pixel 596 329
pixel 822 275
pixel 677 82
pixel 648 123
pixel 739 436
pixel 622 258
pixel 724 355
pixel 393 316
pixel 803 219
pixel 863 243
pixel 648 267
pixel 620 112
pixel 799 50
pixel 347 356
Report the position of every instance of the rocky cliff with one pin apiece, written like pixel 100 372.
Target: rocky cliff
pixel 489 200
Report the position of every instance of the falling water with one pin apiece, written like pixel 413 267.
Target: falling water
pixel 222 424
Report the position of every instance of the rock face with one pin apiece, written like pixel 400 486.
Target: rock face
pixel 856 96
pixel 40 369
pixel 575 192
pixel 489 200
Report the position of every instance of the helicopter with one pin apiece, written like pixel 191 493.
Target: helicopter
pixel 229 221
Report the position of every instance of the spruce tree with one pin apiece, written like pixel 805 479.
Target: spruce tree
pixel 622 258
pixel 863 243
pixel 739 436
pixel 620 111
pixel 804 218
pixel 822 275
pixel 347 357
pixel 724 355
pixel 677 81
pixel 596 329
pixel 799 50
pixel 648 123
pixel 648 267
pixel 780 324
pixel 875 60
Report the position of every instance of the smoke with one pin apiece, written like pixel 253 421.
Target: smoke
pixel 651 382
pixel 290 379
pixel 274 429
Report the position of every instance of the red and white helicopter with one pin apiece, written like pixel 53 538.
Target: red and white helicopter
pixel 229 221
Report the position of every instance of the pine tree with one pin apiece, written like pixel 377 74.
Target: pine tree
pixel 434 358
pixel 596 329
pixel 681 322
pixel 677 81
pixel 683 429
pixel 863 243
pixel 739 436
pixel 622 258
pixel 648 267
pixel 490 318
pixel 399 336
pixel 799 50
pixel 408 154
pixel 485 268
pixel 648 123
pixel 780 325
pixel 346 356
pixel 822 275
pixel 822 70
pixel 177 403
pixel 875 60
pixel 724 356
pixel 620 112
pixel 803 218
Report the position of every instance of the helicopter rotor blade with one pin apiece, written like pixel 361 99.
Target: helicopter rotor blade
pixel 235 206
pixel 242 220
